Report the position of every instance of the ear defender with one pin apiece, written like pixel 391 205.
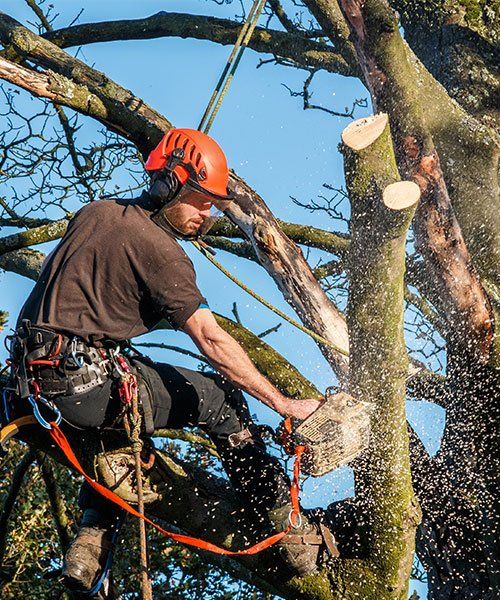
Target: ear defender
pixel 164 187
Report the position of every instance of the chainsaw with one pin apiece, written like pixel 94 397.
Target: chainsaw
pixel 336 433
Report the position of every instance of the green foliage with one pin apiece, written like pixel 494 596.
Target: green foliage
pixel 33 557
pixel 4 316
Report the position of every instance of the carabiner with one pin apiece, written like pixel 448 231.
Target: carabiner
pixel 75 356
pixel 38 415
pixel 298 523
pixel 114 356
pixel 6 405
pixel 77 359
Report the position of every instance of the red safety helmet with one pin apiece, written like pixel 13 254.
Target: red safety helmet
pixel 194 157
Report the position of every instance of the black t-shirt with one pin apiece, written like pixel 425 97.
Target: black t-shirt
pixel 115 274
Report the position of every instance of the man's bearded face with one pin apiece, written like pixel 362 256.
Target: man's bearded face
pixel 188 213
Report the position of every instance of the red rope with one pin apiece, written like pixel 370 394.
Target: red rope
pixel 62 442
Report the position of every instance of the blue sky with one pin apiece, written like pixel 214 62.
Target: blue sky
pixel 280 149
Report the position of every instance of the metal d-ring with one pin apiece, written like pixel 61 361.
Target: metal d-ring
pixel 297 525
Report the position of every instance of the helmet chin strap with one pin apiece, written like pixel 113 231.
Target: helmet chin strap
pixel 161 219
pixel 165 191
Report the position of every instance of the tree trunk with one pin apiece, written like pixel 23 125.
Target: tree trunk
pixel 381 212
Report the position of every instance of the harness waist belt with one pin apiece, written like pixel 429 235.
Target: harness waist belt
pixel 60 364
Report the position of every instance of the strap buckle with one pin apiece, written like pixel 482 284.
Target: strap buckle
pixel 239 437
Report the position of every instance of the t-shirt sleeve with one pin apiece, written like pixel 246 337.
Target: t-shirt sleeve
pixel 173 289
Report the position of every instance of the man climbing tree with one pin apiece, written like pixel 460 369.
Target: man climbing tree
pixel 92 296
pixel 431 71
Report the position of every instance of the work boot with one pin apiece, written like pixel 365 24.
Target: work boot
pixel 89 556
pixel 303 547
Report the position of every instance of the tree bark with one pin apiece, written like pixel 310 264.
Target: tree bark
pixel 284 261
pixel 290 46
pixel 457 42
pixel 439 239
pixel 378 353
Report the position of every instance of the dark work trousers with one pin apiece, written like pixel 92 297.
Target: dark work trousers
pixel 185 398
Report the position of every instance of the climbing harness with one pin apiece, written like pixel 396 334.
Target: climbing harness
pixel 52 354
pixel 233 61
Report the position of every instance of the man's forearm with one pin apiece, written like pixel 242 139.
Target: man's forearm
pixel 229 358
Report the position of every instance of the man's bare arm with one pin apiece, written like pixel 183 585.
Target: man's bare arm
pixel 229 358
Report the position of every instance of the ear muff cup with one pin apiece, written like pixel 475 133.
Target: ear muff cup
pixel 164 187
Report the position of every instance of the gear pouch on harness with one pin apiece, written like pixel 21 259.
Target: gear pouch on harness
pixel 58 364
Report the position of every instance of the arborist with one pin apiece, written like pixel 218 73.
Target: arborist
pixel 118 271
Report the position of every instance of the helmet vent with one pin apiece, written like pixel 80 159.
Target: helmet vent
pixel 198 159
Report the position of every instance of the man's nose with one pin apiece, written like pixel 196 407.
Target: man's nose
pixel 205 213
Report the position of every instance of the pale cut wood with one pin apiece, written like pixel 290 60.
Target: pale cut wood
pixel 363 132
pixel 401 195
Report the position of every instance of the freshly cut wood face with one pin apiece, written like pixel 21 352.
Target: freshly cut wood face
pixel 401 195
pixel 363 132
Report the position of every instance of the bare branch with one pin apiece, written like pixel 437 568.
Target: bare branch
pixel 161 346
pixel 56 501
pixel 306 94
pixel 292 46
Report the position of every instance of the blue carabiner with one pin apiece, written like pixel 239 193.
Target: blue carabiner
pixel 78 360
pixel 38 415
pixel 6 405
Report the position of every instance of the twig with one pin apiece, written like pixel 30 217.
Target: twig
pixel 236 313
pixel 307 95
pixel 188 436
pixel 175 349
pixel 270 330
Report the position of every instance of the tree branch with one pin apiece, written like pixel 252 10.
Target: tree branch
pixel 27 262
pixel 56 501
pixel 382 208
pixel 287 266
pixel 113 105
pixel 390 77
pixel 292 46
pixel 336 243
pixel 39 235
pixel 10 500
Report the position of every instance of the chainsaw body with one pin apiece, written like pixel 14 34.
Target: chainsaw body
pixel 335 434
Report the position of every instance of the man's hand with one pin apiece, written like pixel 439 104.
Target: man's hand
pixel 300 409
